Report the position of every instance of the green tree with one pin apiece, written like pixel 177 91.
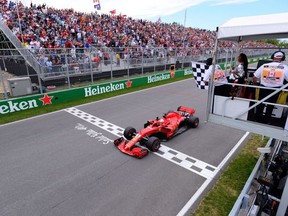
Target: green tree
pixel 279 43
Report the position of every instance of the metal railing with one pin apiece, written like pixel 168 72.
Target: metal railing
pixel 248 196
pixel 70 68
pixel 28 56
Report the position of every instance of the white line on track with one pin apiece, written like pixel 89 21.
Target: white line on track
pixel 202 188
pixel 200 191
pixel 192 164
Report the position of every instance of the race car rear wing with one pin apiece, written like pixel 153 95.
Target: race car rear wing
pixel 191 111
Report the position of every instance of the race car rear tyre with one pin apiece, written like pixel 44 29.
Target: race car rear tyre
pixel 129 133
pixel 153 144
pixel 193 121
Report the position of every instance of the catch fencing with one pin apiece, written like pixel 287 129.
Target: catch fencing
pixel 76 67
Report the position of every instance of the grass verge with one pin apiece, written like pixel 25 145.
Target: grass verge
pixel 221 198
pixel 11 117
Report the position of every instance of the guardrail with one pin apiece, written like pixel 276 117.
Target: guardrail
pixel 242 200
pixel 77 67
pixel 56 97
pixel 248 202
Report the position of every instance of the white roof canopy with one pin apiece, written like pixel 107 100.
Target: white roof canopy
pixel 255 27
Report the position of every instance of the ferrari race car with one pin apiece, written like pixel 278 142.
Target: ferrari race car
pixel 160 129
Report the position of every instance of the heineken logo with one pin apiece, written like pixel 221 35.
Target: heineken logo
pixel 46 99
pixel 30 102
pixel 188 72
pixel 157 78
pixel 13 106
pixel 90 91
pixel 17 106
pixel 128 84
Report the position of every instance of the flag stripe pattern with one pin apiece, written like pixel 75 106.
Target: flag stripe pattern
pixel 97 5
pixel 198 69
pixel 113 11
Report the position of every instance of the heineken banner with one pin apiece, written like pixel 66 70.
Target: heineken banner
pixel 30 102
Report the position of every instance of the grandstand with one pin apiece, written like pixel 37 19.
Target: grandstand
pixel 50 44
pixel 60 47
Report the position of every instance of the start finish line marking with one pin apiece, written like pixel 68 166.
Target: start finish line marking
pixel 185 161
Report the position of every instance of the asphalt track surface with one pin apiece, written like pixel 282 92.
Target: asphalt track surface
pixel 65 163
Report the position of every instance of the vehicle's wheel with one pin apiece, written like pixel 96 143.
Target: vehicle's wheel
pixel 118 141
pixel 143 142
pixel 153 144
pixel 193 121
pixel 129 133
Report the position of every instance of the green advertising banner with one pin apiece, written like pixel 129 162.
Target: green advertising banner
pixel 30 102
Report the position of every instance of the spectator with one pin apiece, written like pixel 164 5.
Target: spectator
pixel 271 75
pixel 106 58
pixel 219 79
pixel 49 67
pixel 97 61
pixel 117 59
pixel 86 62
pixel 240 73
pixel 65 28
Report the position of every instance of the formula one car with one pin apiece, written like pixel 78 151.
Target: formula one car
pixel 160 129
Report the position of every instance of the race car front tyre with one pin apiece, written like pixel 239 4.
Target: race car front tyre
pixel 143 142
pixel 129 133
pixel 153 144
pixel 193 121
pixel 118 141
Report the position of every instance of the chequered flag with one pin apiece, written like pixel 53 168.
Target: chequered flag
pixel 198 72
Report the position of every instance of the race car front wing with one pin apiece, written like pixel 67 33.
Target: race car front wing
pixel 135 151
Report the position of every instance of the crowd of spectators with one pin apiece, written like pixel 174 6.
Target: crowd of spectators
pixel 49 29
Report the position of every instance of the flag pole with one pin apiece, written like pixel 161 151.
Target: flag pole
pixel 185 17
pixel 184 25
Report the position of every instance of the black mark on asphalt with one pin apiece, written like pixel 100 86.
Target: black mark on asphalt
pixel 176 159
pixel 173 152
pixel 191 160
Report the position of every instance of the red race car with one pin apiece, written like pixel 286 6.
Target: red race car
pixel 171 124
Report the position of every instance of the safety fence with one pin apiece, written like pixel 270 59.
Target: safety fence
pixel 56 97
pixel 71 68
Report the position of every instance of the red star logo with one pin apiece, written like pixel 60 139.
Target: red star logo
pixel 46 99
pixel 172 74
pixel 128 84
